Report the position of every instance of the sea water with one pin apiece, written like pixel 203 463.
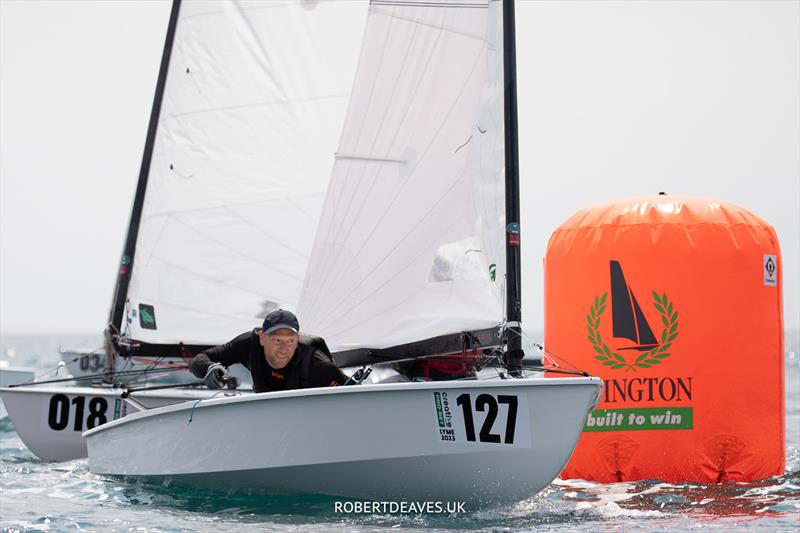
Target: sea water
pixel 40 496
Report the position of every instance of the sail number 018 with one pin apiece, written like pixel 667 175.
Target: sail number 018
pixel 59 414
pixel 487 402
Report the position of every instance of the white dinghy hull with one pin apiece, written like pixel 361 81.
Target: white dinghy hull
pixel 398 441
pixel 51 420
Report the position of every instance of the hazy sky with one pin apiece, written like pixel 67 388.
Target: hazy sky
pixel 616 99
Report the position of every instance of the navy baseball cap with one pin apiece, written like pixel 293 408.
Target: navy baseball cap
pixel 280 319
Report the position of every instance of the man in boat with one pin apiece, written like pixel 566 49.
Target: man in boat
pixel 279 358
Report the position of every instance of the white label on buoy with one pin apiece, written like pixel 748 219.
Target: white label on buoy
pixel 770 270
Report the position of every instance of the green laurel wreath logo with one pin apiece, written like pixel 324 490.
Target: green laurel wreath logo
pixel 669 317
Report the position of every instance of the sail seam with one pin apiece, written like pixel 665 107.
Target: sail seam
pixel 209 279
pixel 422 158
pixel 360 130
pixel 175 116
pixel 234 250
pixel 353 306
pixel 413 98
pixel 475 36
pixel 438 5
pixel 271 199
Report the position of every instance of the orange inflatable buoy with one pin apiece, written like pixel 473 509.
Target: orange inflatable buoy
pixel 676 303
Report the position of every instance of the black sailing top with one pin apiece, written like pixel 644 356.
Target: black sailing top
pixel 311 366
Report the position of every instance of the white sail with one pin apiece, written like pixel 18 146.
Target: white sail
pixel 253 108
pixel 411 240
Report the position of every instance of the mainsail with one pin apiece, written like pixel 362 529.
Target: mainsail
pixel 414 216
pixel 244 143
pixel 293 165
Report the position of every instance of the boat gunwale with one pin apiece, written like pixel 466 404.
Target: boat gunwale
pixel 329 391
pixel 108 391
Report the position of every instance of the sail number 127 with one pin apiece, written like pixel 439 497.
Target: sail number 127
pixel 489 404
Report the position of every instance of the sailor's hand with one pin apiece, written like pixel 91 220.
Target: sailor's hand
pixel 233 382
pixel 215 375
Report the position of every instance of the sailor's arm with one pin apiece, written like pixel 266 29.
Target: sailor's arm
pixel 211 365
pixel 324 373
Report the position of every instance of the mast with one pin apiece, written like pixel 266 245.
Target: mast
pixel 126 263
pixel 514 353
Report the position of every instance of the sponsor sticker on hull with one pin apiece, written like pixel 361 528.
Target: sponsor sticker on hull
pixel 469 418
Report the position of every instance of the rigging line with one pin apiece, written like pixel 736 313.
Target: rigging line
pixel 243 107
pixel 242 254
pixel 368 239
pixel 463 145
pixel 191 412
pixel 165 386
pixel 152 366
pixel 59 366
pixel 91 376
pixel 551 356
pixel 206 278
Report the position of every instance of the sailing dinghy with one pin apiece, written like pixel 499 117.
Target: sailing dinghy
pixel 50 420
pixel 378 198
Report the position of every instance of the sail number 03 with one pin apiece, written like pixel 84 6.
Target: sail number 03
pixel 487 402
pixel 60 409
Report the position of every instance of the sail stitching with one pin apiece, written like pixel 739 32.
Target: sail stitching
pixel 377 224
pixel 330 229
pixel 236 251
pixel 440 27
pixel 395 85
pixel 175 116
pixel 213 281
pixel 168 213
pixel 262 232
pixel 422 158
pixel 354 305
pixel 361 128
pixel 273 4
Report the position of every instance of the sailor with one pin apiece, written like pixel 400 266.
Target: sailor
pixel 279 358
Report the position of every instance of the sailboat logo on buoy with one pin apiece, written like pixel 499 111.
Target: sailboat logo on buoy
pixel 629 322
pixel 627 318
